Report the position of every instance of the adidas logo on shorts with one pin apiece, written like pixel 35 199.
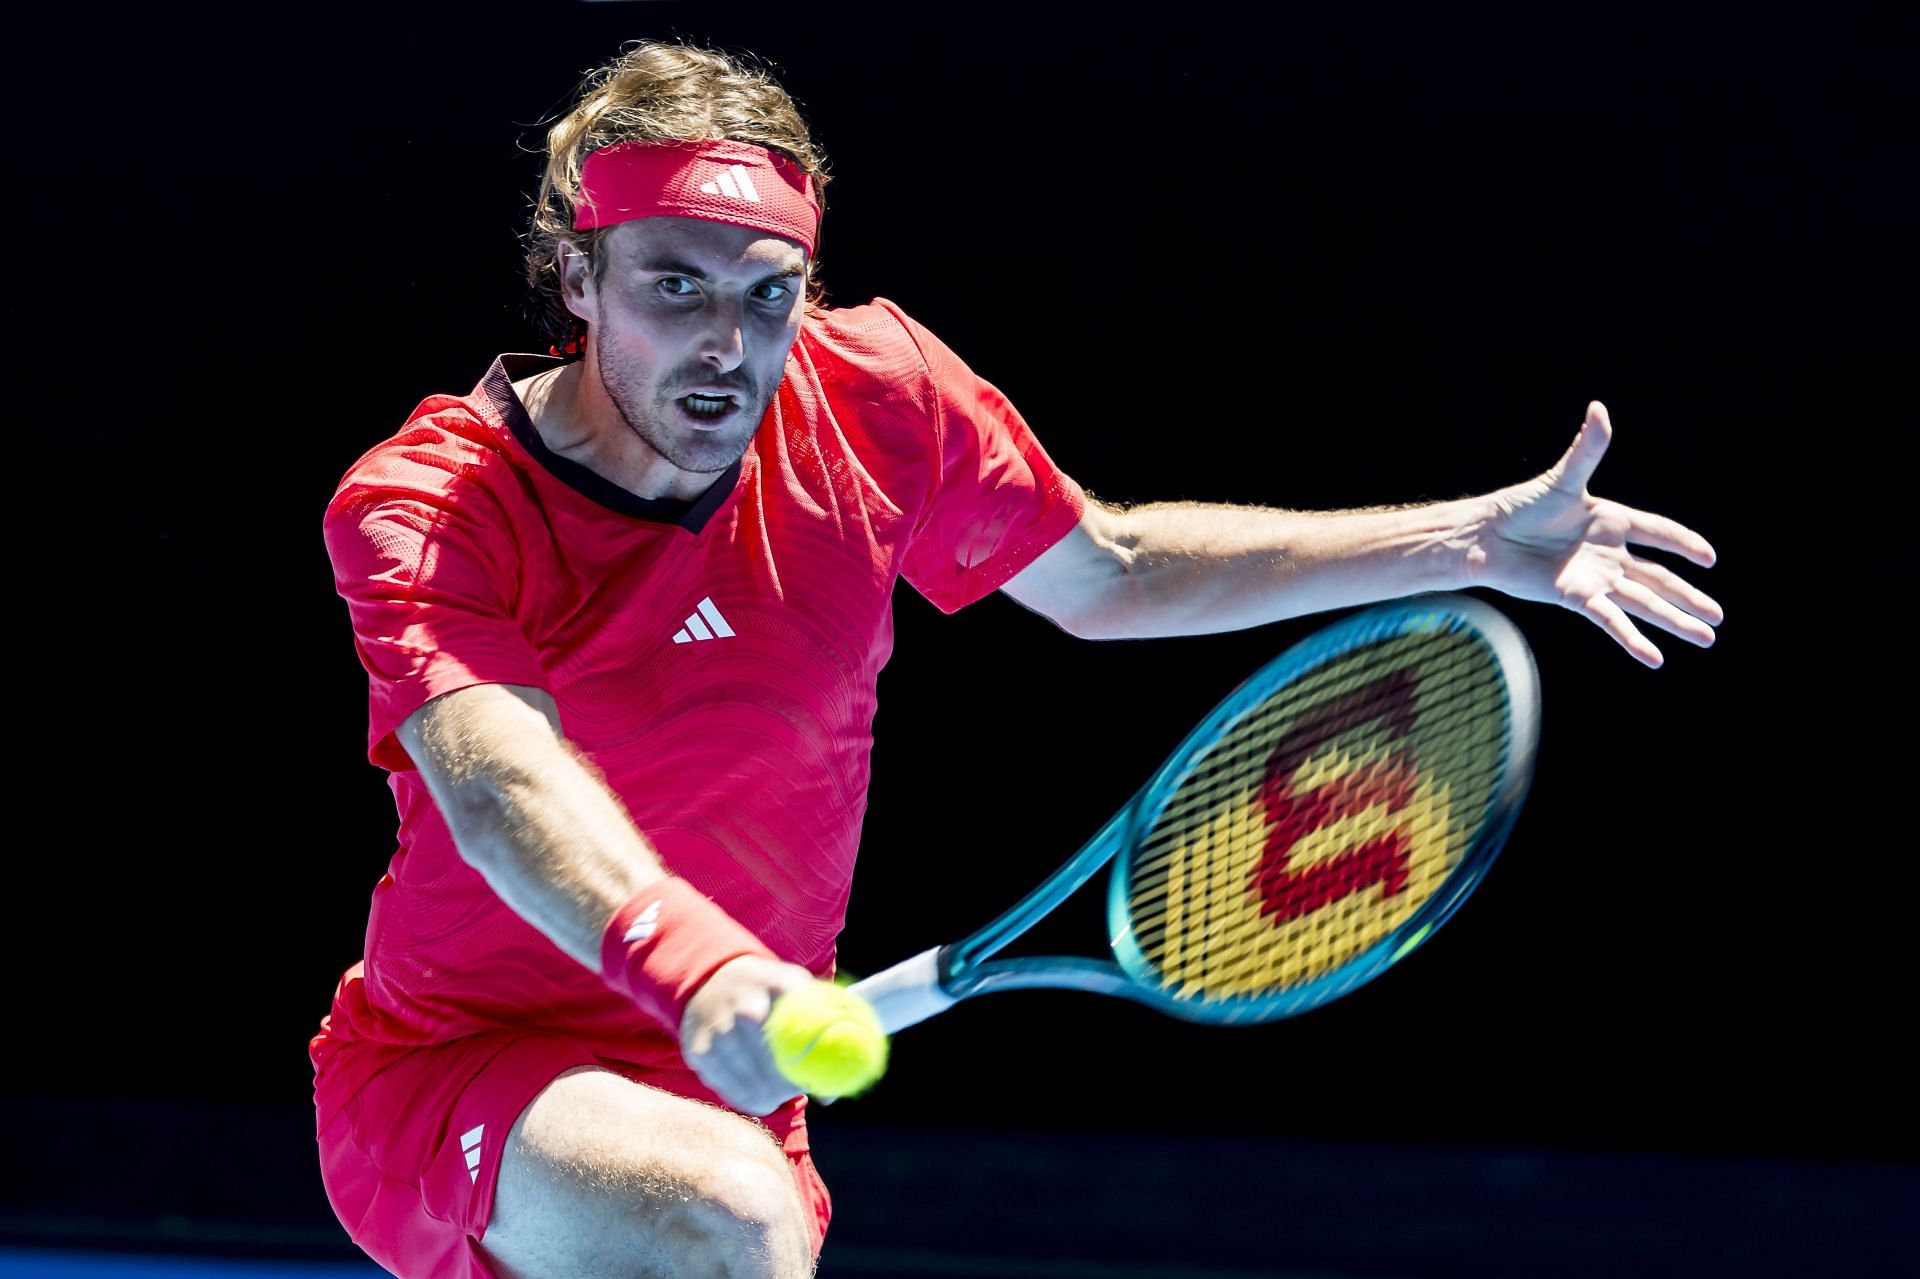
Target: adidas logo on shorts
pixel 470 1146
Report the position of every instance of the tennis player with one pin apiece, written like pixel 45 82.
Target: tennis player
pixel 623 610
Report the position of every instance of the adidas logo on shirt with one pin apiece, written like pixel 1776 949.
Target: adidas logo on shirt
pixel 733 182
pixel 704 623
pixel 470 1146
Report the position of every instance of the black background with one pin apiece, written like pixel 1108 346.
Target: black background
pixel 1317 261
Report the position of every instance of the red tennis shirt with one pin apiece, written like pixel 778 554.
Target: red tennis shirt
pixel 718 663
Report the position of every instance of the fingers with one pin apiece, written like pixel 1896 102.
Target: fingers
pixel 1648 592
pixel 1619 587
pixel 1611 619
pixel 723 1040
pixel 738 1066
pixel 1635 598
pixel 1678 591
pixel 1644 528
pixel 786 977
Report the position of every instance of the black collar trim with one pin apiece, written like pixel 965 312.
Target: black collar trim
pixel 691 516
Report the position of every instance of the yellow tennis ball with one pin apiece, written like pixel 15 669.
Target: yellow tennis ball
pixel 826 1040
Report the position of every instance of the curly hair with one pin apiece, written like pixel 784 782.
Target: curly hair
pixel 652 92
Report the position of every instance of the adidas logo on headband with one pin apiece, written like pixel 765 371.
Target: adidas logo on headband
pixel 733 181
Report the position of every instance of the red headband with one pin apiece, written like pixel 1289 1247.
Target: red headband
pixel 716 180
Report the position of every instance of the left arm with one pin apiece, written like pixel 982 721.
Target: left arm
pixel 1184 569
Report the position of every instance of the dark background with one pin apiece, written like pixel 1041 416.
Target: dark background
pixel 1305 260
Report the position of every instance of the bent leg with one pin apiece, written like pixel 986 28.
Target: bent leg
pixel 602 1176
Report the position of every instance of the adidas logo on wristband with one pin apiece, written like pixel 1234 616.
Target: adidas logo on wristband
pixel 644 924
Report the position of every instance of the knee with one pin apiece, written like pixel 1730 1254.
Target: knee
pixel 602 1176
pixel 725 1210
pixel 744 1213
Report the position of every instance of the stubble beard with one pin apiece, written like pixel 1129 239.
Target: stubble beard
pixel 648 410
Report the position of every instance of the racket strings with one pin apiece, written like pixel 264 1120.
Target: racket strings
pixel 1202 794
pixel 1322 819
pixel 1237 763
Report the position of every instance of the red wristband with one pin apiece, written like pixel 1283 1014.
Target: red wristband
pixel 660 947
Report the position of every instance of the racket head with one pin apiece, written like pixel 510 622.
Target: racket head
pixel 1329 815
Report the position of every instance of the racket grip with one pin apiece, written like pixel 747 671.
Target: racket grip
pixel 906 993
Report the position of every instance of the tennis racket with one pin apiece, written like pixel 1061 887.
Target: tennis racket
pixel 1313 830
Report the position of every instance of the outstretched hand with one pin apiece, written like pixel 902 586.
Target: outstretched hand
pixel 1550 540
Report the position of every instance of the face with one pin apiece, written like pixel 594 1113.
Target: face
pixel 691 325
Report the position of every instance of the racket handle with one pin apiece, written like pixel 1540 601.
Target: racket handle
pixel 906 993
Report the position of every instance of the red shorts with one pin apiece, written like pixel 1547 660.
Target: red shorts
pixel 411 1139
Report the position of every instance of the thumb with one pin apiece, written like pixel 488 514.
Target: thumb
pixel 790 977
pixel 1576 465
pixel 784 980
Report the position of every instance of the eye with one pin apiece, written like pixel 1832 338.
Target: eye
pixel 676 286
pixel 773 291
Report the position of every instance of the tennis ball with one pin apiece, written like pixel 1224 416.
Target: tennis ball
pixel 826 1040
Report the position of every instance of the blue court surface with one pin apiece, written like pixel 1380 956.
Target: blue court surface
pixel 111 1197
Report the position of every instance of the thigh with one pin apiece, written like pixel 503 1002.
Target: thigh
pixel 412 1140
pixel 604 1175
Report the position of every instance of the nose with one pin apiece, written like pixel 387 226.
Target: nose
pixel 723 335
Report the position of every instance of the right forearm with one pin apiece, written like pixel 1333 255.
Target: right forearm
pixel 559 849
pixel 556 846
pixel 554 841
pixel 539 823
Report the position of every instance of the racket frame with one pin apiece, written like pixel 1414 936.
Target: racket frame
pixel 936 979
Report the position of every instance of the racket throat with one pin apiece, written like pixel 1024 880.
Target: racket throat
pixel 909 992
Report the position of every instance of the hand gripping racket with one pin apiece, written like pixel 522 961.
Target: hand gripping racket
pixel 1314 829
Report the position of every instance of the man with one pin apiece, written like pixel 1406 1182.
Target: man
pixel 623 617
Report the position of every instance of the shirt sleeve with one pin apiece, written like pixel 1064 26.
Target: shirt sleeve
pixel 998 500
pixel 424 561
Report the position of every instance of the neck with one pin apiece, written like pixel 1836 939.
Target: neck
pixel 577 420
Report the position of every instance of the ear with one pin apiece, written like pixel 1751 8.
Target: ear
pixel 576 280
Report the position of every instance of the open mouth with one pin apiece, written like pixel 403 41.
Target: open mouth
pixel 703 404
